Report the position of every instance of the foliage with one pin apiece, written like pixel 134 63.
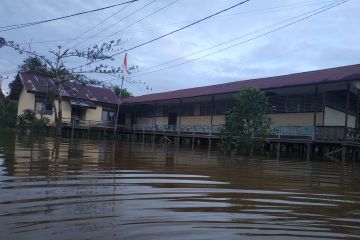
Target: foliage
pixel 28 121
pixel 8 113
pixel 54 67
pixel 246 124
pixel 123 92
pixel 35 65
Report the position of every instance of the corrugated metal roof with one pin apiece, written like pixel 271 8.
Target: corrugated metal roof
pixel 39 84
pixel 346 73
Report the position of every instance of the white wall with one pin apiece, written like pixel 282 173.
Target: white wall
pixel 333 117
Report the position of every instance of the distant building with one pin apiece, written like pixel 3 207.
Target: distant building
pixel 80 101
pixel 321 98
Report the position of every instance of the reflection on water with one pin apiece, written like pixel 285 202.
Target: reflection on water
pixel 87 189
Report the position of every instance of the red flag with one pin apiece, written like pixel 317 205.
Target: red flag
pixel 125 62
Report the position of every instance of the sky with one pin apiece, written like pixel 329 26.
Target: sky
pixel 196 56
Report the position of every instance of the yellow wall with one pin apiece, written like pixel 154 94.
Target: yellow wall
pixel 185 120
pixel 26 101
pixel 66 112
pixel 162 120
pixel 300 119
pixel 94 114
pixel 195 120
pixel 145 121
pixel 218 119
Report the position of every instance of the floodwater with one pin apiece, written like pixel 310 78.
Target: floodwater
pixel 95 189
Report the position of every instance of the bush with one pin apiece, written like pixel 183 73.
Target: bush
pixel 246 124
pixel 8 113
pixel 28 121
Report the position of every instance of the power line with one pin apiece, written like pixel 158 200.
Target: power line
pixel 137 10
pixel 23 25
pixel 169 33
pixel 101 22
pixel 242 42
pixel 242 36
pixel 141 19
pixel 245 14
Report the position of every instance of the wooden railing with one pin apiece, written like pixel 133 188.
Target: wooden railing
pixel 292 132
pixel 184 129
pixel 338 134
pixel 77 123
pixel 319 133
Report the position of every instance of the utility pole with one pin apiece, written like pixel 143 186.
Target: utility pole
pixel 2 96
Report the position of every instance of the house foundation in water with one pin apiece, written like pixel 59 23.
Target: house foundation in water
pixel 312 112
pixel 315 111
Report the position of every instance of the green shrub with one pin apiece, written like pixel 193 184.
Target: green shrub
pixel 8 114
pixel 246 124
pixel 28 121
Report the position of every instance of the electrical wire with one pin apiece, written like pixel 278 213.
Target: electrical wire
pixel 216 18
pixel 239 43
pixel 167 34
pixel 23 25
pixel 104 29
pixel 141 19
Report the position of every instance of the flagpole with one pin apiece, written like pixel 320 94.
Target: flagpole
pixel 118 106
pixel 121 91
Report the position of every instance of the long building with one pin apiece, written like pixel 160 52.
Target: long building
pixel 316 105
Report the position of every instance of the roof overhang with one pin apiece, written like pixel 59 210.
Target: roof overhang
pixel 82 104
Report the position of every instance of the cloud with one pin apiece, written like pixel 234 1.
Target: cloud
pixel 327 40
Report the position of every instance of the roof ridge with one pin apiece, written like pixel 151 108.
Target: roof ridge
pixel 286 80
pixel 253 79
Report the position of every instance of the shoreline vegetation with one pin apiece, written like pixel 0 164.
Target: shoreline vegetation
pixel 246 124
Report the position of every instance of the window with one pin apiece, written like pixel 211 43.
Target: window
pixel 294 104
pixel 43 105
pixel 196 109
pixel 108 115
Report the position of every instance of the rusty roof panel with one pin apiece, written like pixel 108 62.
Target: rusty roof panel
pixel 39 84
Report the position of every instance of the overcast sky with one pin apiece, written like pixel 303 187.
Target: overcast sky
pixel 329 39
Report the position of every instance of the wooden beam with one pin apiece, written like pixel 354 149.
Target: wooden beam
pixel 212 109
pixel 316 94
pixel 154 114
pixel 347 104
pixel 357 109
pixel 180 110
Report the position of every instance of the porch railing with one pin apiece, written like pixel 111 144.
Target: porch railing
pixel 292 132
pixel 187 129
pixel 318 133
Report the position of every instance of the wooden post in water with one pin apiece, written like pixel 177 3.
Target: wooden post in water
pixel 72 128
pixel 308 151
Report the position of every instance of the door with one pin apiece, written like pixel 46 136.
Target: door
pixel 172 120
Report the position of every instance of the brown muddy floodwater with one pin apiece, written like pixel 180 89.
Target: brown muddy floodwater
pixel 95 189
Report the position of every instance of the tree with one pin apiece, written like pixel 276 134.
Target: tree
pixel 28 121
pixel 124 92
pixel 8 113
pixel 246 124
pixel 35 65
pixel 57 71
